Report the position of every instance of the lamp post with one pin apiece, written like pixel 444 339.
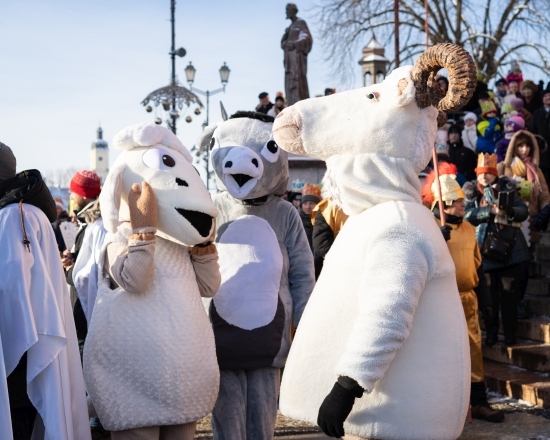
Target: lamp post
pixel 173 96
pixel 224 77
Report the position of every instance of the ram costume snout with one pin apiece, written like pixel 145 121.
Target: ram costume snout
pixel 386 123
pixel 149 357
pixel 155 155
pixel 385 320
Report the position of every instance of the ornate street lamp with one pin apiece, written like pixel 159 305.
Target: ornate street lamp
pixel 224 77
pixel 174 96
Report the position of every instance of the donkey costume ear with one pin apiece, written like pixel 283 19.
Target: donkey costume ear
pixel 204 141
pixel 109 199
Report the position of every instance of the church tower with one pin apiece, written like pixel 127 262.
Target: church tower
pixel 99 156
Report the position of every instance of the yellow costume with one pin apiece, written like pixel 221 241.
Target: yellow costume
pixel 467 258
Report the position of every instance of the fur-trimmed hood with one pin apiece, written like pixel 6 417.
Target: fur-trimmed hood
pixel 511 152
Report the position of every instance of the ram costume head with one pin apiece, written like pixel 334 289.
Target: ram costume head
pixel 154 154
pixel 247 161
pixel 377 139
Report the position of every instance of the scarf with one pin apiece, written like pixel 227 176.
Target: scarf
pixel 525 168
pixel 451 219
pixel 490 194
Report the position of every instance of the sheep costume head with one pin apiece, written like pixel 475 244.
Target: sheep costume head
pixel 154 154
pixel 377 139
pixel 247 161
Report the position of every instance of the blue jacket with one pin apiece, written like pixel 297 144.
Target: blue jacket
pixel 489 133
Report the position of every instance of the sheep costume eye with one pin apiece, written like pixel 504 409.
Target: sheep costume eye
pixel 247 160
pixel 154 154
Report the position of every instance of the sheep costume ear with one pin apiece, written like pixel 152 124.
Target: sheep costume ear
pixel 109 199
pixel 134 136
pixel 206 136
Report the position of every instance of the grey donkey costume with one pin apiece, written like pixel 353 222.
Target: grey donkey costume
pixel 267 274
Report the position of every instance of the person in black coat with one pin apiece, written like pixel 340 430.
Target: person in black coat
pixel 309 201
pixel 539 124
pixel 464 158
pixel 504 264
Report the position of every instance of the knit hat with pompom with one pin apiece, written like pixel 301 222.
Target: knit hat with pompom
pixel 86 184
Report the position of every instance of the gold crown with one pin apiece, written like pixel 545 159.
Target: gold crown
pixel 487 160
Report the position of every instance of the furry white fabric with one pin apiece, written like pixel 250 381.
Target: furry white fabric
pixel 146 135
pixel 150 359
pixel 397 329
pixel 386 310
pixel 167 168
pixel 251 275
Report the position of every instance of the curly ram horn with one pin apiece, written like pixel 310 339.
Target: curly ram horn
pixel 462 77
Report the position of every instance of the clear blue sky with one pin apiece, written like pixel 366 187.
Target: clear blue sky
pixel 67 65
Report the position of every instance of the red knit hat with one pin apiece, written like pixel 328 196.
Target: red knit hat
pixel 86 184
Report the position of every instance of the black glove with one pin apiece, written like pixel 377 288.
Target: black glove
pixel 446 231
pixel 508 210
pixel 541 222
pixel 336 407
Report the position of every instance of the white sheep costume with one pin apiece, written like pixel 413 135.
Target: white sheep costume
pixel 386 311
pixel 149 359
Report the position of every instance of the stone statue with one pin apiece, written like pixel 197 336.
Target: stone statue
pixel 296 44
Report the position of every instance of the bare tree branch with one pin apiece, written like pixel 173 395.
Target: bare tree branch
pixel 495 33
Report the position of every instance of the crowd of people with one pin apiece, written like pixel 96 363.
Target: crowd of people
pixel 493 164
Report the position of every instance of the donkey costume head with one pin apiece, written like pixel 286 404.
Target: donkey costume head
pixel 247 161
pixel 154 154
pixel 376 140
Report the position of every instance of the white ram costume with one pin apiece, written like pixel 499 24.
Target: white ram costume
pixel 386 311
pixel 149 358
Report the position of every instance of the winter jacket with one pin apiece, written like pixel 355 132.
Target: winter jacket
pixel 539 124
pixel 464 159
pixel 501 148
pixel 489 133
pixel 534 104
pixel 329 220
pixel 538 199
pixel 28 186
pixel 480 216
pixel 308 227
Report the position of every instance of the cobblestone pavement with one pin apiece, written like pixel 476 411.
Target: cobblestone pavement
pixel 523 422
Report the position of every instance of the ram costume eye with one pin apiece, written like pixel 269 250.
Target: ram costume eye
pixel 270 151
pixel 158 159
pixel 373 95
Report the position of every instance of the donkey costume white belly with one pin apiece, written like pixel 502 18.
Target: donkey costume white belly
pixel 161 340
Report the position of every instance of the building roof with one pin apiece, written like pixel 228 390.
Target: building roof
pixel 100 143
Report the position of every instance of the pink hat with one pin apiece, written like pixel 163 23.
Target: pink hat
pixel 517 122
pixel 86 184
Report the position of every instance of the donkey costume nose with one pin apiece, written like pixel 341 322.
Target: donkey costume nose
pixel 286 131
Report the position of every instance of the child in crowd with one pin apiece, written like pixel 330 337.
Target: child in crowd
pixel 464 158
pixel 513 125
pixel 469 134
pixel 488 128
